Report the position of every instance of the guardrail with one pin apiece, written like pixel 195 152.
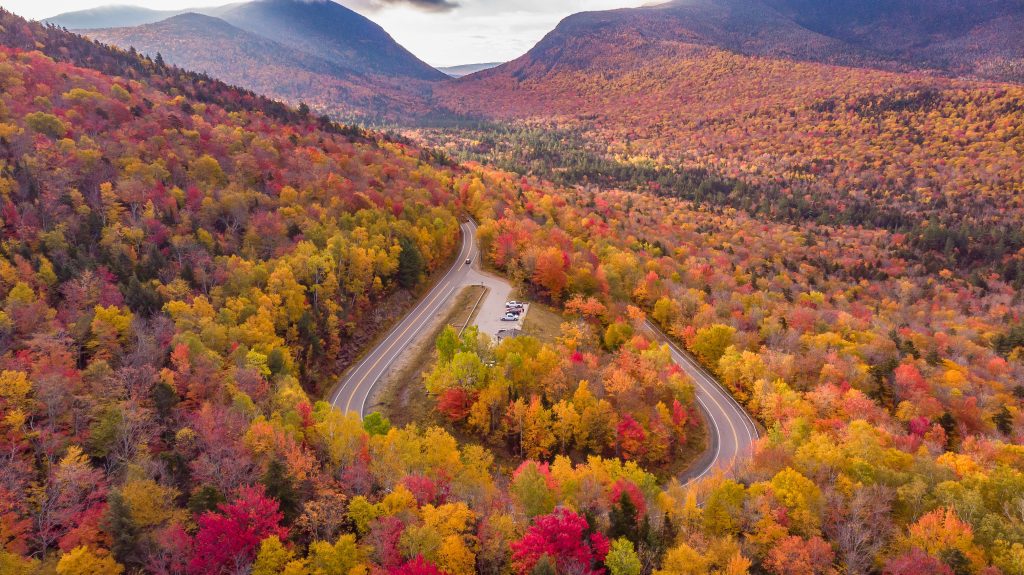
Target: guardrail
pixel 469 318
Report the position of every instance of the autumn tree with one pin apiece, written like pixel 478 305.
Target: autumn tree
pixel 230 538
pixel 566 538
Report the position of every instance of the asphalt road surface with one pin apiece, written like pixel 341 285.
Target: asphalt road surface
pixel 731 430
pixel 357 384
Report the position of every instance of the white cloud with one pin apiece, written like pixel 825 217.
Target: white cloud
pixel 481 30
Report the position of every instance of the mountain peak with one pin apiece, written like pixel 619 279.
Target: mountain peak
pixel 331 31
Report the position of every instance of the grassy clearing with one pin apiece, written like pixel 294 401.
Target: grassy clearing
pixel 402 398
pixel 543 323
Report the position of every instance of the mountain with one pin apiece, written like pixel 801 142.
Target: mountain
pixel 323 28
pixel 317 52
pixel 467 69
pixel 743 26
pixel 741 90
pixel 110 17
pixel 211 45
pixel 981 37
pixel 332 32
pixel 121 16
pixel 972 37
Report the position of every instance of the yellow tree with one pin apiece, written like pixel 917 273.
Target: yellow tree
pixel 344 557
pixel 710 343
pixel 85 561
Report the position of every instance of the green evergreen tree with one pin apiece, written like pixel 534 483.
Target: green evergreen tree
pixel 281 487
pixel 623 520
pixel 206 498
pixel 1004 421
pixel 410 264
pixel 124 534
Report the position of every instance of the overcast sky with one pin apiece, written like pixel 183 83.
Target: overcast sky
pixel 441 32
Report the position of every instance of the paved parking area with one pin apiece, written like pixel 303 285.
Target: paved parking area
pixel 492 309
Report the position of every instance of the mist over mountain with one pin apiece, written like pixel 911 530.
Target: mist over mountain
pixel 125 15
pixel 467 69
pixel 110 17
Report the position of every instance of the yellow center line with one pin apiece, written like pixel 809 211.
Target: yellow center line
pixel 425 307
pixel 735 435
pixel 712 396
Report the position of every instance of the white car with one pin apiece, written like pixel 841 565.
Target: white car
pixel 514 303
pixel 510 317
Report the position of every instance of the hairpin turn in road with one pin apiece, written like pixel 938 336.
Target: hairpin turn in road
pixel 731 430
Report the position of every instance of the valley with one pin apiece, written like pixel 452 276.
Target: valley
pixel 258 262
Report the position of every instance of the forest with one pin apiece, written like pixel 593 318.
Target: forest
pixel 185 269
pixel 601 389
pixel 935 158
pixel 568 158
pixel 891 396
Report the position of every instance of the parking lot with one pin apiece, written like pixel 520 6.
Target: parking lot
pixel 492 310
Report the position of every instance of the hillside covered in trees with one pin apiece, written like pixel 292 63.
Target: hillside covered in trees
pixel 317 52
pixel 936 159
pixel 186 266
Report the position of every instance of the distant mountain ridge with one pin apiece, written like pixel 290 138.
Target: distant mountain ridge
pixel 467 69
pixel 333 58
pixel 331 31
pixel 322 28
pixel 967 37
pixel 110 17
pixel 215 47
pixel 315 51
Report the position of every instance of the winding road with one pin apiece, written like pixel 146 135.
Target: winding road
pixel 356 386
pixel 731 431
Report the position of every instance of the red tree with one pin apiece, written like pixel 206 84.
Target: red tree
pixel 623 488
pixel 916 562
pixel 418 566
pixel 631 438
pixel 550 271
pixel 562 536
pixel 384 537
pixel 426 490
pixel 228 541
pixel 797 556
pixel 455 403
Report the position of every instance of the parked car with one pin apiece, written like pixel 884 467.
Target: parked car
pixel 514 303
pixel 510 317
